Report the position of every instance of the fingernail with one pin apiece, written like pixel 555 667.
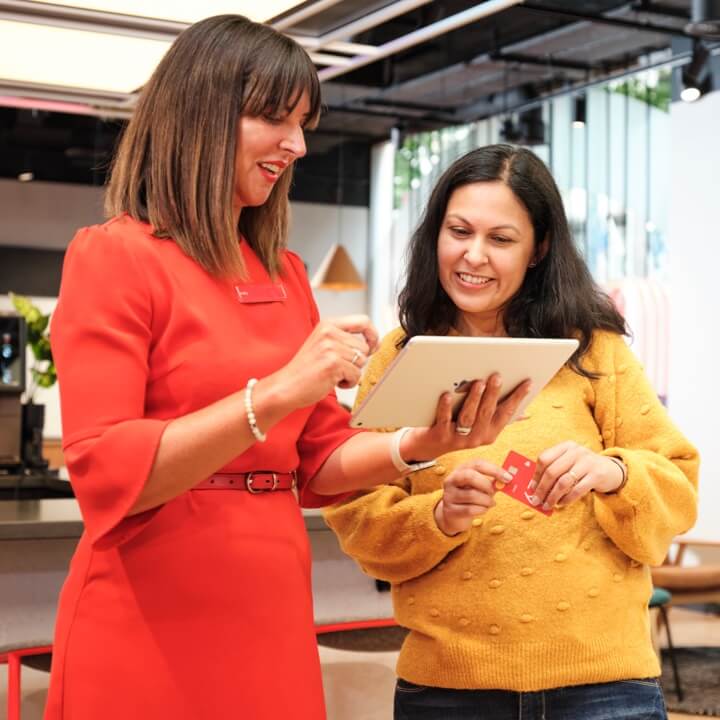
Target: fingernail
pixel 546 507
pixel 534 500
pixel 497 381
pixel 531 486
pixel 507 476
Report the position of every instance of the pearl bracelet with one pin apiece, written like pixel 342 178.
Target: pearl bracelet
pixel 252 420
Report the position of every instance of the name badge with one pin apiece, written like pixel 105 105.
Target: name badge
pixel 260 293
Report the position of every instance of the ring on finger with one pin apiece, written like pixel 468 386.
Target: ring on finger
pixel 356 356
pixel 462 430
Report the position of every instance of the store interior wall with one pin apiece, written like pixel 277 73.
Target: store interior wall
pixel 694 262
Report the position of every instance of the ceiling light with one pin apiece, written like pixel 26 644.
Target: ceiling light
pixel 337 272
pixel 696 76
pixel 579 111
pixel 509 131
pixel 690 94
pixel 64 57
pixel 186 11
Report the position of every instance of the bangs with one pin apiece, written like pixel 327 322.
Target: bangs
pixel 278 80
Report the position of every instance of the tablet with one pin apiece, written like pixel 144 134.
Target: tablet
pixel 408 392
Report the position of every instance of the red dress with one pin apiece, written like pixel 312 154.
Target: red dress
pixel 200 608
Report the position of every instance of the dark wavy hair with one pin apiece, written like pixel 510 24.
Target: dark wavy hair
pixel 558 297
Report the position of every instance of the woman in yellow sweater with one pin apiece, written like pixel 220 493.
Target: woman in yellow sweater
pixel 514 613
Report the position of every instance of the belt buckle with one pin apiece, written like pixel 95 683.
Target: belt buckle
pixel 254 491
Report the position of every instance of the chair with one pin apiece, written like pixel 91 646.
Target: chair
pixel 689 585
pixel 685 585
pixel 659 601
pixel 12 655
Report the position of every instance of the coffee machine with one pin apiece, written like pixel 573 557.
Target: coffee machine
pixel 12 386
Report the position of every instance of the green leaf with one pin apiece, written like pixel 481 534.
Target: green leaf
pixel 41 349
pixel 38 341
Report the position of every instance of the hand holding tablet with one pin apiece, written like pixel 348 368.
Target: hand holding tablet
pixel 429 366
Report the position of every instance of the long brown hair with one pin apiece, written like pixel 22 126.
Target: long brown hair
pixel 558 297
pixel 175 163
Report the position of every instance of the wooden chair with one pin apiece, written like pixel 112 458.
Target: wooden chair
pixel 684 585
pixel 689 585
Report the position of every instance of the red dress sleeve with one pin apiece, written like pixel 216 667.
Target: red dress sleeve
pixel 101 336
pixel 328 425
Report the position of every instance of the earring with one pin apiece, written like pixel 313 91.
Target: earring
pixel 532 264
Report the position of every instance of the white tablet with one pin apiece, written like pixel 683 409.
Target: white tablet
pixel 408 392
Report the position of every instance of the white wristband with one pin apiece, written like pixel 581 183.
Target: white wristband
pixel 252 420
pixel 400 465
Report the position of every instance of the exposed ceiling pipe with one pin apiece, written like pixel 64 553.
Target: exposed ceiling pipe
pixel 419 36
pixel 297 17
pixel 478 111
pixel 371 20
pixel 349 48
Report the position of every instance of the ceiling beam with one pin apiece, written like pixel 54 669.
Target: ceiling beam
pixel 393 10
pixel 549 61
pixel 655 8
pixel 604 20
pixel 437 118
pixel 298 16
pixel 441 27
pixel 473 111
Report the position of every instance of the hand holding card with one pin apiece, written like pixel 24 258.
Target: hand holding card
pixel 468 491
pixel 522 469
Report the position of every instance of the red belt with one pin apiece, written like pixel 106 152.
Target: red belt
pixel 256 481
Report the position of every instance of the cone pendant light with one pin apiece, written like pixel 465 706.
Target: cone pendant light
pixel 337 272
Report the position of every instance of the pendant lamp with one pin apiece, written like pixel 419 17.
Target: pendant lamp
pixel 337 272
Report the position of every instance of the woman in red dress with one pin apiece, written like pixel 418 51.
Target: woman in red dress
pixel 187 599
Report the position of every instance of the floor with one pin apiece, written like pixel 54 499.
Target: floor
pixel 359 686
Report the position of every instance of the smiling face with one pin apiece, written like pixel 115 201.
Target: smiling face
pixel 485 245
pixel 267 147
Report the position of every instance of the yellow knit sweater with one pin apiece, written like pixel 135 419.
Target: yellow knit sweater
pixel 522 601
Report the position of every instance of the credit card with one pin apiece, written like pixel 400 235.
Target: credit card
pixel 523 470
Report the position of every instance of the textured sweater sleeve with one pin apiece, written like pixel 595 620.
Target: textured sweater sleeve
pixel 659 500
pixel 389 531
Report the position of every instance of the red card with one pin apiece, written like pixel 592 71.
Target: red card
pixel 522 471
pixel 260 293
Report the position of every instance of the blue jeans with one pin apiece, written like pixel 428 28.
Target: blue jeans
pixel 622 700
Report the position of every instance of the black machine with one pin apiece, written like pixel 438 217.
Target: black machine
pixel 12 386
